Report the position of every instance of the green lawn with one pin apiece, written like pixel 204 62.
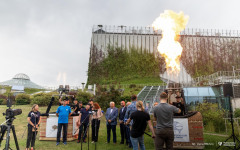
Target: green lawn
pixel 21 122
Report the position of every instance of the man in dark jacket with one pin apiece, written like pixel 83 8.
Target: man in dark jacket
pixel 122 112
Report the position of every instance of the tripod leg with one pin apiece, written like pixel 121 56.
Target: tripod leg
pixel 7 138
pixel 4 129
pixel 15 137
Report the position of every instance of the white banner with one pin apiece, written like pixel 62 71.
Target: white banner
pixel 181 131
pixel 75 127
pixel 51 127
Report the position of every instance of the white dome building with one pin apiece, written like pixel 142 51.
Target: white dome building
pixel 21 79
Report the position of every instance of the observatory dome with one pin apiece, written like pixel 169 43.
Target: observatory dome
pixel 21 76
pixel 21 79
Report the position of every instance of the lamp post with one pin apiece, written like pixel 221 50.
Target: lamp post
pixel 83 86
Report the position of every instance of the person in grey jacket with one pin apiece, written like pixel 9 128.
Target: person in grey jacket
pixel 111 121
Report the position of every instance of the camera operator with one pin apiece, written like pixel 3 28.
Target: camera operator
pixel 34 120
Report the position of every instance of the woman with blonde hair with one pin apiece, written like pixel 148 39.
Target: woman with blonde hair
pixel 34 120
pixel 140 120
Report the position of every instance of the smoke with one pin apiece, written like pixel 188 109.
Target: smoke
pixel 61 78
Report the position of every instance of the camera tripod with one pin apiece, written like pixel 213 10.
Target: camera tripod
pixel 7 128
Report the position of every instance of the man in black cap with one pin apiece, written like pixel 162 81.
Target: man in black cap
pixel 179 104
pixel 75 107
pixel 80 106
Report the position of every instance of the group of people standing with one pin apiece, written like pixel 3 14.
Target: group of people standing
pixel 133 120
pixel 132 117
pixel 91 113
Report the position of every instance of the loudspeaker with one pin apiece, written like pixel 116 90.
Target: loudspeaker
pixel 227 90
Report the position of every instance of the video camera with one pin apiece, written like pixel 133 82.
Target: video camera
pixel 5 129
pixel 11 113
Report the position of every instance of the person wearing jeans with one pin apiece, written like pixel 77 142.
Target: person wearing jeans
pixel 111 120
pixel 63 112
pixel 139 140
pixel 140 120
pixel 130 109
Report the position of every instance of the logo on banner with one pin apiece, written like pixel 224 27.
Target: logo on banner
pixel 178 126
pixel 181 131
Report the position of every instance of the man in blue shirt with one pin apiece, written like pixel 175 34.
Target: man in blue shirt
pixel 83 121
pixel 130 109
pixel 63 112
pixel 111 120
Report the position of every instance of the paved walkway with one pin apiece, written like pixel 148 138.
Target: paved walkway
pixel 222 135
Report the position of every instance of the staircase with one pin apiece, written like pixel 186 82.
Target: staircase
pixel 150 94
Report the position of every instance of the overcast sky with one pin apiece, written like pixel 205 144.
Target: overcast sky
pixel 45 38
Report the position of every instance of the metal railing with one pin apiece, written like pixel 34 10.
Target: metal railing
pixel 217 78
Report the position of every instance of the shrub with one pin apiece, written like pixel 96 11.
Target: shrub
pixel 43 99
pixel 104 97
pixel 1 100
pixel 83 96
pixel 212 116
pixel 132 86
pixel 126 98
pixel 237 113
pixel 23 99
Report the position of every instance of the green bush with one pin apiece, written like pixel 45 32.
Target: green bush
pixel 132 86
pixel 83 96
pixel 23 99
pixel 43 99
pixel 104 97
pixel 126 98
pixel 212 116
pixel 237 113
pixel 1 100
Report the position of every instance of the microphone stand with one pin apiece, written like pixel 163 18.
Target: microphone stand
pixel 96 122
pixel 85 131
pixel 35 130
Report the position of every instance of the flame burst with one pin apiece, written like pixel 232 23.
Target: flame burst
pixel 171 24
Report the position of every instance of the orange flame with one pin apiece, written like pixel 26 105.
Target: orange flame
pixel 171 25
